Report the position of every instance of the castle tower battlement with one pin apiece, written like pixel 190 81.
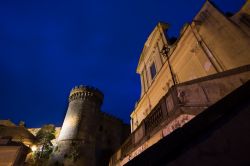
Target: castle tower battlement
pixel 84 102
pixel 86 93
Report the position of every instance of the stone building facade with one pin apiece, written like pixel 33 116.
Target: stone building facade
pixel 15 143
pixel 12 153
pixel 182 78
pixel 210 44
pixel 16 133
pixel 88 136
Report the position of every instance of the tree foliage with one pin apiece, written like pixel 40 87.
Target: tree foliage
pixel 45 147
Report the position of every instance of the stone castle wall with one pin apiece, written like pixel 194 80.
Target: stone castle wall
pixel 88 136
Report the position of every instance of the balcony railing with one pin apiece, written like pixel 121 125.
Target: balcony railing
pixel 153 119
pixel 149 124
pixel 198 94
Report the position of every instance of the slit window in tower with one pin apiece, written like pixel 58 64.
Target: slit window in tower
pixel 152 71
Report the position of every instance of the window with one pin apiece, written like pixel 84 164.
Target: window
pixel 152 71
pixel 143 81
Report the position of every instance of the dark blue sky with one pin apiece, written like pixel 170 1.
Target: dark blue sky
pixel 49 46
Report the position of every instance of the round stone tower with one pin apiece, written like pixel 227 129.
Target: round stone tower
pixel 76 142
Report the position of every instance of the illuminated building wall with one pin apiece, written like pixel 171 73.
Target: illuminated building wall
pixel 210 44
pixel 181 78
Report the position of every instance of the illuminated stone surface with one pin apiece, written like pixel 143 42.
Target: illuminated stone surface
pixel 88 136
pixel 209 60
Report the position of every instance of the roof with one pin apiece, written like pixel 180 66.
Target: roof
pixel 6 123
pixel 17 133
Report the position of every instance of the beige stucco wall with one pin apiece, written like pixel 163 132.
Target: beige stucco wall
pixel 187 56
pixel 189 60
pixel 245 10
pixel 8 155
pixel 228 43
pixel 12 155
pixel 211 43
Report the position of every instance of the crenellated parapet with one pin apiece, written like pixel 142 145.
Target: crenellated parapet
pixel 86 93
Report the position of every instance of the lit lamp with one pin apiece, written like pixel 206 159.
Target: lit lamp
pixel 165 50
pixel 33 148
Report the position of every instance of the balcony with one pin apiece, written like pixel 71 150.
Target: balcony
pixel 189 98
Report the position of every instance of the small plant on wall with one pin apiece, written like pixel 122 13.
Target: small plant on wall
pixel 73 153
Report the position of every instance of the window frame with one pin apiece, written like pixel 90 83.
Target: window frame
pixel 152 70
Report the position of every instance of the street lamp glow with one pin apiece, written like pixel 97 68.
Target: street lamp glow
pixel 33 148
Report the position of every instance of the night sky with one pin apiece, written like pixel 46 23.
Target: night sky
pixel 49 46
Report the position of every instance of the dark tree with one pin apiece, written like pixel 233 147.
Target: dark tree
pixel 44 137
